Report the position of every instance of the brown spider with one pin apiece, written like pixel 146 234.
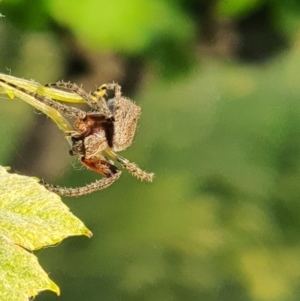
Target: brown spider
pixel 108 129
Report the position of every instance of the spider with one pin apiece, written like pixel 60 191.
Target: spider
pixel 107 129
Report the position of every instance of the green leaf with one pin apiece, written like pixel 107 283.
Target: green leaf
pixel 21 275
pixel 30 217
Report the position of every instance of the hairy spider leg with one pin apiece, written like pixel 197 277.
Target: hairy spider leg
pixel 96 100
pixel 99 165
pixel 84 190
pixel 131 167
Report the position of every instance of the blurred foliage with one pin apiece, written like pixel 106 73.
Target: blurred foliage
pixel 161 32
pixel 131 28
pixel 236 8
pixel 221 219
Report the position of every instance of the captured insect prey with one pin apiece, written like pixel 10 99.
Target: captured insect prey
pixel 96 136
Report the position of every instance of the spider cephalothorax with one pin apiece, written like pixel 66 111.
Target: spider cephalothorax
pixel 110 127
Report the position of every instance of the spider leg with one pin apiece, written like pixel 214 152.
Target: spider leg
pixel 101 166
pixel 87 189
pixel 70 87
pixel 131 167
pixel 63 109
pixel 95 100
pixel 104 99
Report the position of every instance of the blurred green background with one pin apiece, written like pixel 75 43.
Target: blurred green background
pixel 218 82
